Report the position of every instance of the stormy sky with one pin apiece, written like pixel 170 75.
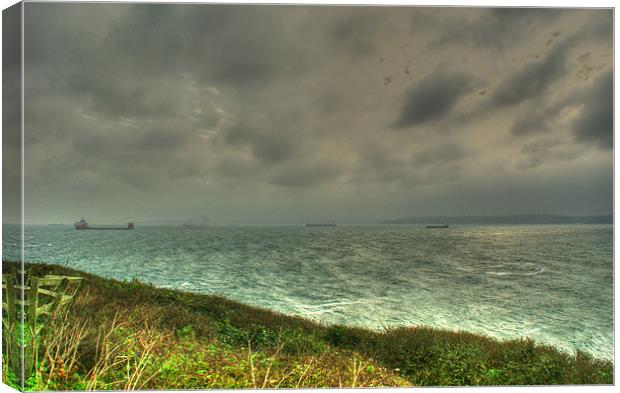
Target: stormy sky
pixel 277 114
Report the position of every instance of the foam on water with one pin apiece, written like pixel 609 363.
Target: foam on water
pixel 539 271
pixel 551 283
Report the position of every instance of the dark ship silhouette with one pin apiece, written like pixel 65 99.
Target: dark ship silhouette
pixel 82 224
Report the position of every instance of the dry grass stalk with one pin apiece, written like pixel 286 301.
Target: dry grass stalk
pixel 104 354
pixel 132 352
pixel 251 361
pixel 356 370
pixel 60 345
pixel 271 361
pixel 135 374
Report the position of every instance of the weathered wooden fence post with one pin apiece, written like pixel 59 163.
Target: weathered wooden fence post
pixel 30 332
pixel 9 324
pixel 21 337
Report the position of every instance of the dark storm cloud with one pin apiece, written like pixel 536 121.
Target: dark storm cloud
pixel 535 78
pixel 433 97
pixel 538 76
pixel 595 123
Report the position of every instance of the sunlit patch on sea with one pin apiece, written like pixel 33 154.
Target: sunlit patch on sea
pixel 553 283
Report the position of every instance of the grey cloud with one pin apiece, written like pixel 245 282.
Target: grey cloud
pixel 237 50
pixel 11 119
pixel 531 122
pixel 236 107
pixel 146 156
pixel 124 97
pixel 451 173
pixel 162 138
pixel 246 72
pixel 433 97
pixel 422 18
pixel 97 144
pixel 240 51
pixel 602 31
pixel 440 155
pixel 135 69
pixel 377 157
pixel 538 76
pixel 11 76
pixel 595 123
pixel 270 148
pixel 494 28
pixel 89 66
pixel 305 174
pixel 494 192
pixel 356 30
pixel 523 16
pixel 378 164
pixel 535 78
pixel 542 151
pixel 328 102
pixel 227 168
pixel 430 165
pixel 267 145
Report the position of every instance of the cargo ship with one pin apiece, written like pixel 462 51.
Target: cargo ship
pixel 438 226
pixel 325 224
pixel 82 224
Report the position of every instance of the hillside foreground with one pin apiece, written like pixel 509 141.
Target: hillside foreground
pixel 130 335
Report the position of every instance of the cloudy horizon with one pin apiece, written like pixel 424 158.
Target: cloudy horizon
pixel 228 113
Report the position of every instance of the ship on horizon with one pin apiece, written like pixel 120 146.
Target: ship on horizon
pixel 323 224
pixel 82 224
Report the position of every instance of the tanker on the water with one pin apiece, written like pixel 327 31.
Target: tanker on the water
pixel 82 224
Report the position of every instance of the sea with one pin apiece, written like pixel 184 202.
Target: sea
pixel 551 283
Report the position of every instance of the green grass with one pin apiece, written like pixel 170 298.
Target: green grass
pixel 130 335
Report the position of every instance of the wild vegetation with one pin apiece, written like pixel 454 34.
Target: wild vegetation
pixel 130 335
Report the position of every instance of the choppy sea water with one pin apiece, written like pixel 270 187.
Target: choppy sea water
pixel 553 283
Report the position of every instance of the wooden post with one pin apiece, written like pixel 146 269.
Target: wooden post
pixel 13 350
pixel 60 292
pixel 30 335
pixel 21 336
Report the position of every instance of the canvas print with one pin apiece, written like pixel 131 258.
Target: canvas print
pixel 203 196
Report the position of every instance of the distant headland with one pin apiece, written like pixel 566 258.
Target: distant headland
pixel 507 219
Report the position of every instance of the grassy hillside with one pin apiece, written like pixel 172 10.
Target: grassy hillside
pixel 130 335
